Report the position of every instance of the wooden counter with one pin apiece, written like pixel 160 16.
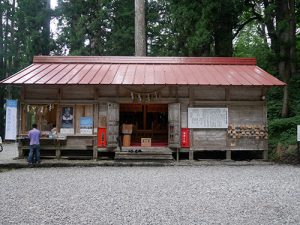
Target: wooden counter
pixel 70 146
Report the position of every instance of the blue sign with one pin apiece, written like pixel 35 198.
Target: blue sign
pixel 11 103
pixel 86 122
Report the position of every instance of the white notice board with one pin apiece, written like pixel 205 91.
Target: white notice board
pixel 11 119
pixel 298 132
pixel 207 117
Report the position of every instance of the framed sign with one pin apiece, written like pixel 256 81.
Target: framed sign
pixel 86 125
pixel 207 117
pixel 67 119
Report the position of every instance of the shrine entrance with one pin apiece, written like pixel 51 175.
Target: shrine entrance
pixel 148 121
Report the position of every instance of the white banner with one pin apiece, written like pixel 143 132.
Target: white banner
pixel 207 117
pixel 11 120
pixel 298 132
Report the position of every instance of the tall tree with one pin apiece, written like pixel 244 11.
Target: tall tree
pixel 1 39
pixel 286 31
pixel 140 31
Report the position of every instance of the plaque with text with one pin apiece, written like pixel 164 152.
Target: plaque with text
pixel 207 117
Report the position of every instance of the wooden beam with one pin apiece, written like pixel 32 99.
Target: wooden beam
pixel 145 117
pixel 227 94
pixel 191 96
pixel 229 102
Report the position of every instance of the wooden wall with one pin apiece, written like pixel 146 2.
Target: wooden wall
pixel 245 107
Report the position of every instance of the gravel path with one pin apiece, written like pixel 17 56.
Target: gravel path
pixel 151 195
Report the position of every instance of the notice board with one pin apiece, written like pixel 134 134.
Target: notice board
pixel 11 119
pixel 207 117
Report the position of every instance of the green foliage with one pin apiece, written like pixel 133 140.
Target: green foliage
pixel 96 27
pixel 283 131
pixel 250 44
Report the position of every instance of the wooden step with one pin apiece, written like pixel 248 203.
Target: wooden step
pixel 144 155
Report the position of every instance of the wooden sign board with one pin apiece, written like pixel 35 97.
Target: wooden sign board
pixel 207 117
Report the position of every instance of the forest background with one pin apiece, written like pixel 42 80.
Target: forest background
pixel 268 30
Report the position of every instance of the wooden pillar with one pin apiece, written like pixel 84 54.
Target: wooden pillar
pixel 95 148
pixel 57 149
pixel 191 155
pixel 20 149
pixel 228 155
pixel 265 155
pixel 144 117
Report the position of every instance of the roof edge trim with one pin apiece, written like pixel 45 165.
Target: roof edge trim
pixel 146 60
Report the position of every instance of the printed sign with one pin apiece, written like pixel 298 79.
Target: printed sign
pixel 298 132
pixel 67 117
pixel 86 125
pixel 11 120
pixel 207 117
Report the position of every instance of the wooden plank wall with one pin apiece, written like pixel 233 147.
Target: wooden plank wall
pixel 41 93
pixel 77 93
pixel 208 139
pixel 244 108
pixel 82 111
pixel 102 119
pixel 244 104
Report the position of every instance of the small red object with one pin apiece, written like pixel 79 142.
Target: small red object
pixel 185 137
pixel 101 137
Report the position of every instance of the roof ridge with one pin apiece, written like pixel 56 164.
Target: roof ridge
pixel 146 60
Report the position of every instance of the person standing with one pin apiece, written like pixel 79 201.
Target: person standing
pixel 34 146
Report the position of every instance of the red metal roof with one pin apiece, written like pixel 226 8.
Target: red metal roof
pixel 128 70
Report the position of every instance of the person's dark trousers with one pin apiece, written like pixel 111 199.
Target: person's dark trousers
pixel 34 154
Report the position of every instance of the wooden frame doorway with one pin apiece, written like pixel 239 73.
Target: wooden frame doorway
pixel 148 120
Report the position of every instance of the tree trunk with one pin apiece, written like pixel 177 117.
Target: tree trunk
pixel 269 21
pixel 140 35
pixel 46 28
pixel 223 40
pixel 292 37
pixel 6 42
pixel 11 47
pixel 285 24
pixel 1 40
pixel 223 32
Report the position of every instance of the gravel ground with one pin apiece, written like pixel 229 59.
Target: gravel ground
pixel 9 152
pixel 151 195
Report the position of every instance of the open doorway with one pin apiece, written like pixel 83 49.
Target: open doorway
pixel 148 120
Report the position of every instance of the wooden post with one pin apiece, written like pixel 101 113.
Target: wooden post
pixel 57 149
pixel 145 108
pixel 265 155
pixel 228 155
pixel 191 155
pixel 95 148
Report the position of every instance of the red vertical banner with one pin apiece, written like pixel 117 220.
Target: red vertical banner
pixel 185 137
pixel 101 137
